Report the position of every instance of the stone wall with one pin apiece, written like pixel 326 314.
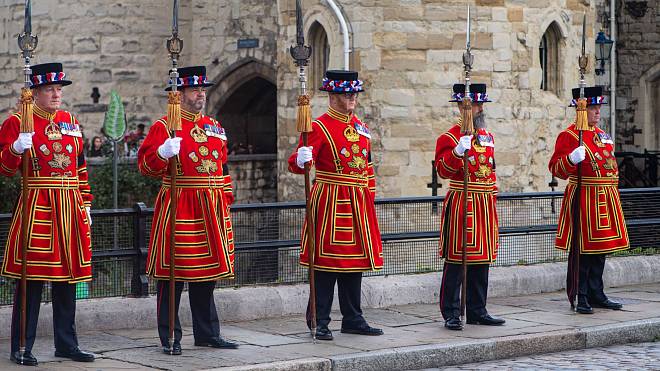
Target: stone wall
pixel 638 79
pixel 407 51
pixel 120 45
pixel 254 178
pixel 409 54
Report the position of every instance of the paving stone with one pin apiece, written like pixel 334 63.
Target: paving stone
pixel 570 319
pixel 431 311
pixel 414 338
pixel 99 364
pixel 393 338
pixel 639 295
pixel 280 326
pixel 260 338
pixel 392 318
pixel 200 358
pixel 511 327
pixel 99 342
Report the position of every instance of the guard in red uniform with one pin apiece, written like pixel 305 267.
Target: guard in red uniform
pixel 59 199
pixel 482 233
pixel 204 238
pixel 347 238
pixel 602 225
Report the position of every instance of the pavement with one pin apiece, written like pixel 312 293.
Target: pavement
pixel 640 356
pixel 414 338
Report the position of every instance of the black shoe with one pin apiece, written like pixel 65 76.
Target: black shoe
pixel 584 308
pixel 363 330
pixel 217 342
pixel 27 360
pixel 323 333
pixel 486 319
pixel 175 351
pixel 454 323
pixel 75 355
pixel 608 304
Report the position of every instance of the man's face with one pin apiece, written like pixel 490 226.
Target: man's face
pixel 343 102
pixel 193 99
pixel 48 97
pixel 593 114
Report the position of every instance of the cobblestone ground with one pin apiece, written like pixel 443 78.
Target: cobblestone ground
pixel 643 356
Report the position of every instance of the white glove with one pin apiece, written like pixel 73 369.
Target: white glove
pixel 304 156
pixel 578 155
pixel 89 215
pixel 170 148
pixel 463 144
pixel 23 143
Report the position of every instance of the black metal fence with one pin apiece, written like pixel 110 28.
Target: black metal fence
pixel 268 235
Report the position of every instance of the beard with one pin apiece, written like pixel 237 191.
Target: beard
pixel 479 121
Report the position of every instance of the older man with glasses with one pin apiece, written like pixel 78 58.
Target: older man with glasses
pixel 346 234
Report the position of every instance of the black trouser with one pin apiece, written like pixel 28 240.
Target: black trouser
pixel 477 290
pixel 591 278
pixel 206 324
pixel 64 315
pixel 349 289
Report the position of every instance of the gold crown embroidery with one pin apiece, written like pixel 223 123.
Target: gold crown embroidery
pixel 53 131
pixel 198 135
pixel 351 134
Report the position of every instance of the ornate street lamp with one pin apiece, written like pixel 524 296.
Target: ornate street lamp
pixel 603 50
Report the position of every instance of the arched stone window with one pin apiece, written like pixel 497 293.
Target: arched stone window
pixel 549 58
pixel 320 55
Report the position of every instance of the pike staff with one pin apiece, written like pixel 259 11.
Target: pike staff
pixel 174 47
pixel 27 43
pixel 467 128
pixel 581 124
pixel 301 54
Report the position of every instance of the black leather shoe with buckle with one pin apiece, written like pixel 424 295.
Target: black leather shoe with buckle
pixel 27 359
pixel 608 304
pixel 362 330
pixel 323 333
pixel 217 342
pixel 486 319
pixel 454 323
pixel 175 351
pixel 75 355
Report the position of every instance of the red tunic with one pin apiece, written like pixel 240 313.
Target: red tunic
pixel 60 244
pixel 482 231
pixel 204 236
pixel 342 197
pixel 601 218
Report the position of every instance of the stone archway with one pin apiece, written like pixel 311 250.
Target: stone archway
pixel 245 101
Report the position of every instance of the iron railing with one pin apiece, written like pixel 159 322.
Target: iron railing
pixel 268 236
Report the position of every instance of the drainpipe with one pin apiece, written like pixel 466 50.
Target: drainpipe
pixel 344 31
pixel 613 70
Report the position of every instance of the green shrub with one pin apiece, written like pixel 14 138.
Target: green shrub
pixel 132 186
